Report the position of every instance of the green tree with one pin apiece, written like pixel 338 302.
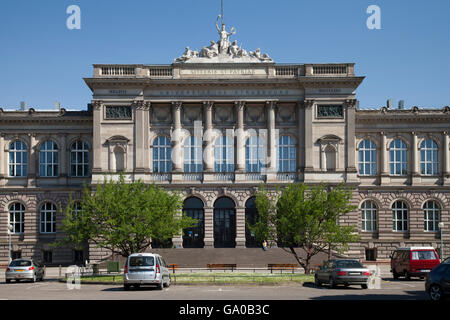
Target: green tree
pixel 305 217
pixel 124 217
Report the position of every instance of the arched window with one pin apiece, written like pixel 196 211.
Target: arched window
pixel 431 211
pixel 119 159
pixel 398 160
pixel 223 154
pixel 162 155
pixel 330 158
pixel 368 216
pixel 429 157
pixel 48 218
pixel 194 236
pixel 18 159
pixel 224 223
pixel 79 159
pixel 48 159
pixel 367 158
pixel 193 155
pixel 254 154
pixel 251 215
pixel 16 216
pixel 400 216
pixel 286 154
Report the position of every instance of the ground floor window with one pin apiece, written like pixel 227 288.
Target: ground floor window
pixel 78 256
pixel 16 255
pixel 371 254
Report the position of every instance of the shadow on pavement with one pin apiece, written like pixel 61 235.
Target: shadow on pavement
pixel 407 295
pixel 145 288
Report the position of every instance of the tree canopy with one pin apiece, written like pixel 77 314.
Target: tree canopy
pixel 123 217
pixel 305 217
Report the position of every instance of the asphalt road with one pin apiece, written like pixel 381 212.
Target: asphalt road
pixel 54 290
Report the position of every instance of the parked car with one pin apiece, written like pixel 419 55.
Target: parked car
pixel 437 284
pixel 413 261
pixel 24 269
pixel 146 269
pixel 342 271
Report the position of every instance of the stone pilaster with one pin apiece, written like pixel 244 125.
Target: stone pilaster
pixel 3 163
pixel 97 109
pixel 446 159
pixel 384 159
pixel 414 159
pixel 33 164
pixel 209 227
pixel 309 116
pixel 64 166
pixel 139 137
pixel 301 138
pixel 350 139
pixel 240 227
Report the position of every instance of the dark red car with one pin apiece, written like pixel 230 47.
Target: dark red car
pixel 413 261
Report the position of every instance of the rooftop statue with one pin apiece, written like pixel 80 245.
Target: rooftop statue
pixel 222 51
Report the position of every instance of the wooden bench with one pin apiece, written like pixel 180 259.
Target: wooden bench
pixel 282 266
pixel 223 266
pixel 172 266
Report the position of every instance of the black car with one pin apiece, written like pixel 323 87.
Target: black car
pixel 437 284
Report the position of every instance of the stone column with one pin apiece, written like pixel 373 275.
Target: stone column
pixel 208 157
pixel 209 227
pixel 177 158
pixel 272 143
pixel 177 240
pixel 33 164
pixel 97 139
pixel 240 139
pixel 240 227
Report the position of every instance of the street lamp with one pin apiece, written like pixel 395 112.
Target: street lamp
pixel 9 252
pixel 441 227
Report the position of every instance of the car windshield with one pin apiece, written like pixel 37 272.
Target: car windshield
pixel 20 263
pixel 141 261
pixel 423 255
pixel 348 264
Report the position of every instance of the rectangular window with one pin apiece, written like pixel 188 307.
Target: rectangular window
pixel 47 256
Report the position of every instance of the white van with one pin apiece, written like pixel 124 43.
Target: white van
pixel 145 269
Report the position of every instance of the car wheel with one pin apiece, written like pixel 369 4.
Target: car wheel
pixel 136 286
pixel 33 280
pixel 436 293
pixel 167 284
pixel 317 281
pixel 8 280
pixel 364 286
pixel 126 287
pixel 395 274
pixel 160 285
pixel 407 276
pixel 332 283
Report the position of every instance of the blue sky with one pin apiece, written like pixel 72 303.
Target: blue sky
pixel 42 61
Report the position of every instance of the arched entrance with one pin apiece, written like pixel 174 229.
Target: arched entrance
pixel 251 213
pixel 224 223
pixel 193 237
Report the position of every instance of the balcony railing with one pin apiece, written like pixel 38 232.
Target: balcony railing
pixel 193 176
pixel 254 176
pixel 224 176
pixel 160 72
pixel 329 70
pixel 117 71
pixel 286 176
pixel 161 177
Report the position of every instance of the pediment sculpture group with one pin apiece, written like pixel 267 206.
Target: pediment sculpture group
pixel 224 48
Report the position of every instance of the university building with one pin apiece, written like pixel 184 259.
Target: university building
pixel 266 122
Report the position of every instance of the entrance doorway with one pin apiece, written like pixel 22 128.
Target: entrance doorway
pixel 224 223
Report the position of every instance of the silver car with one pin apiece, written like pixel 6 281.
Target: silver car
pixel 342 271
pixel 146 269
pixel 24 269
